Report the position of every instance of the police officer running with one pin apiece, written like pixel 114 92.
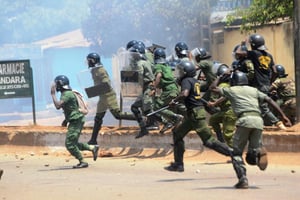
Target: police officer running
pixel 195 120
pixel 107 96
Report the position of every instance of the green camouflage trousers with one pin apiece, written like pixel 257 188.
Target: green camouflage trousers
pixel 224 121
pixel 72 137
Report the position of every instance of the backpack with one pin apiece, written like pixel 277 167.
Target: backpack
pixel 82 105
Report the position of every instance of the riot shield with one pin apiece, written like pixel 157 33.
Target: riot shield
pixel 89 79
pixel 131 75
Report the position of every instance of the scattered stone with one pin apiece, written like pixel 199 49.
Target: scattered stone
pixel 45 153
pixel 293 171
pixel 47 165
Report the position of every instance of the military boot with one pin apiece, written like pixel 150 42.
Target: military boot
pixel 242 184
pixel 262 162
pixel 142 132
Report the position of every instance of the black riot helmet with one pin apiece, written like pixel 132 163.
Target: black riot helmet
pixel 93 59
pixel 142 43
pixel 138 48
pixel 159 56
pixel 238 78
pixel 138 51
pixel 201 54
pixel 181 49
pixel 280 71
pixel 222 69
pixel 239 52
pixel 131 44
pixel 186 69
pixel 62 83
pixel 257 42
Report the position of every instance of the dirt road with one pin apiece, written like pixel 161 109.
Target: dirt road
pixel 34 173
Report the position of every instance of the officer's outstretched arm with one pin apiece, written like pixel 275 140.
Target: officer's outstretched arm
pixel 270 101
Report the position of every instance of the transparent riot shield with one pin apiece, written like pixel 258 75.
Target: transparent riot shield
pixel 131 75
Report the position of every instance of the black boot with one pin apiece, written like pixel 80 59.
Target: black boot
pixel 96 129
pixel 175 167
pixel 142 133
pixel 240 170
pixel 242 184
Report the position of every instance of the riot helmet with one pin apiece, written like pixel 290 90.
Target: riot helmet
pixel 239 52
pixel 181 49
pixel 141 43
pixel 93 59
pixel 257 42
pixel 159 56
pixel 200 54
pixel 238 78
pixel 62 83
pixel 222 69
pixel 280 71
pixel 173 64
pixel 138 51
pixel 131 44
pixel 186 69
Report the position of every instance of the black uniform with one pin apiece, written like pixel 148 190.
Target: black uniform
pixel 195 120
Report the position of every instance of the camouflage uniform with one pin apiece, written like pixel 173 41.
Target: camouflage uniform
pixel 286 91
pixel 76 121
pixel 169 90
pixel 226 117
pixel 206 67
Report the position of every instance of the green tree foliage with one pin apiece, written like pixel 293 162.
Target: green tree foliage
pixel 30 20
pixel 262 12
pixel 113 23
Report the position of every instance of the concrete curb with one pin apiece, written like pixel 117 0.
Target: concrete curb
pixel 274 141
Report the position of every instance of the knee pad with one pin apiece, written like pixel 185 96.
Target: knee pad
pixel 251 157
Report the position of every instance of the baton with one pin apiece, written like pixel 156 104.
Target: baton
pixel 161 109
pixel 157 111
pixel 212 109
